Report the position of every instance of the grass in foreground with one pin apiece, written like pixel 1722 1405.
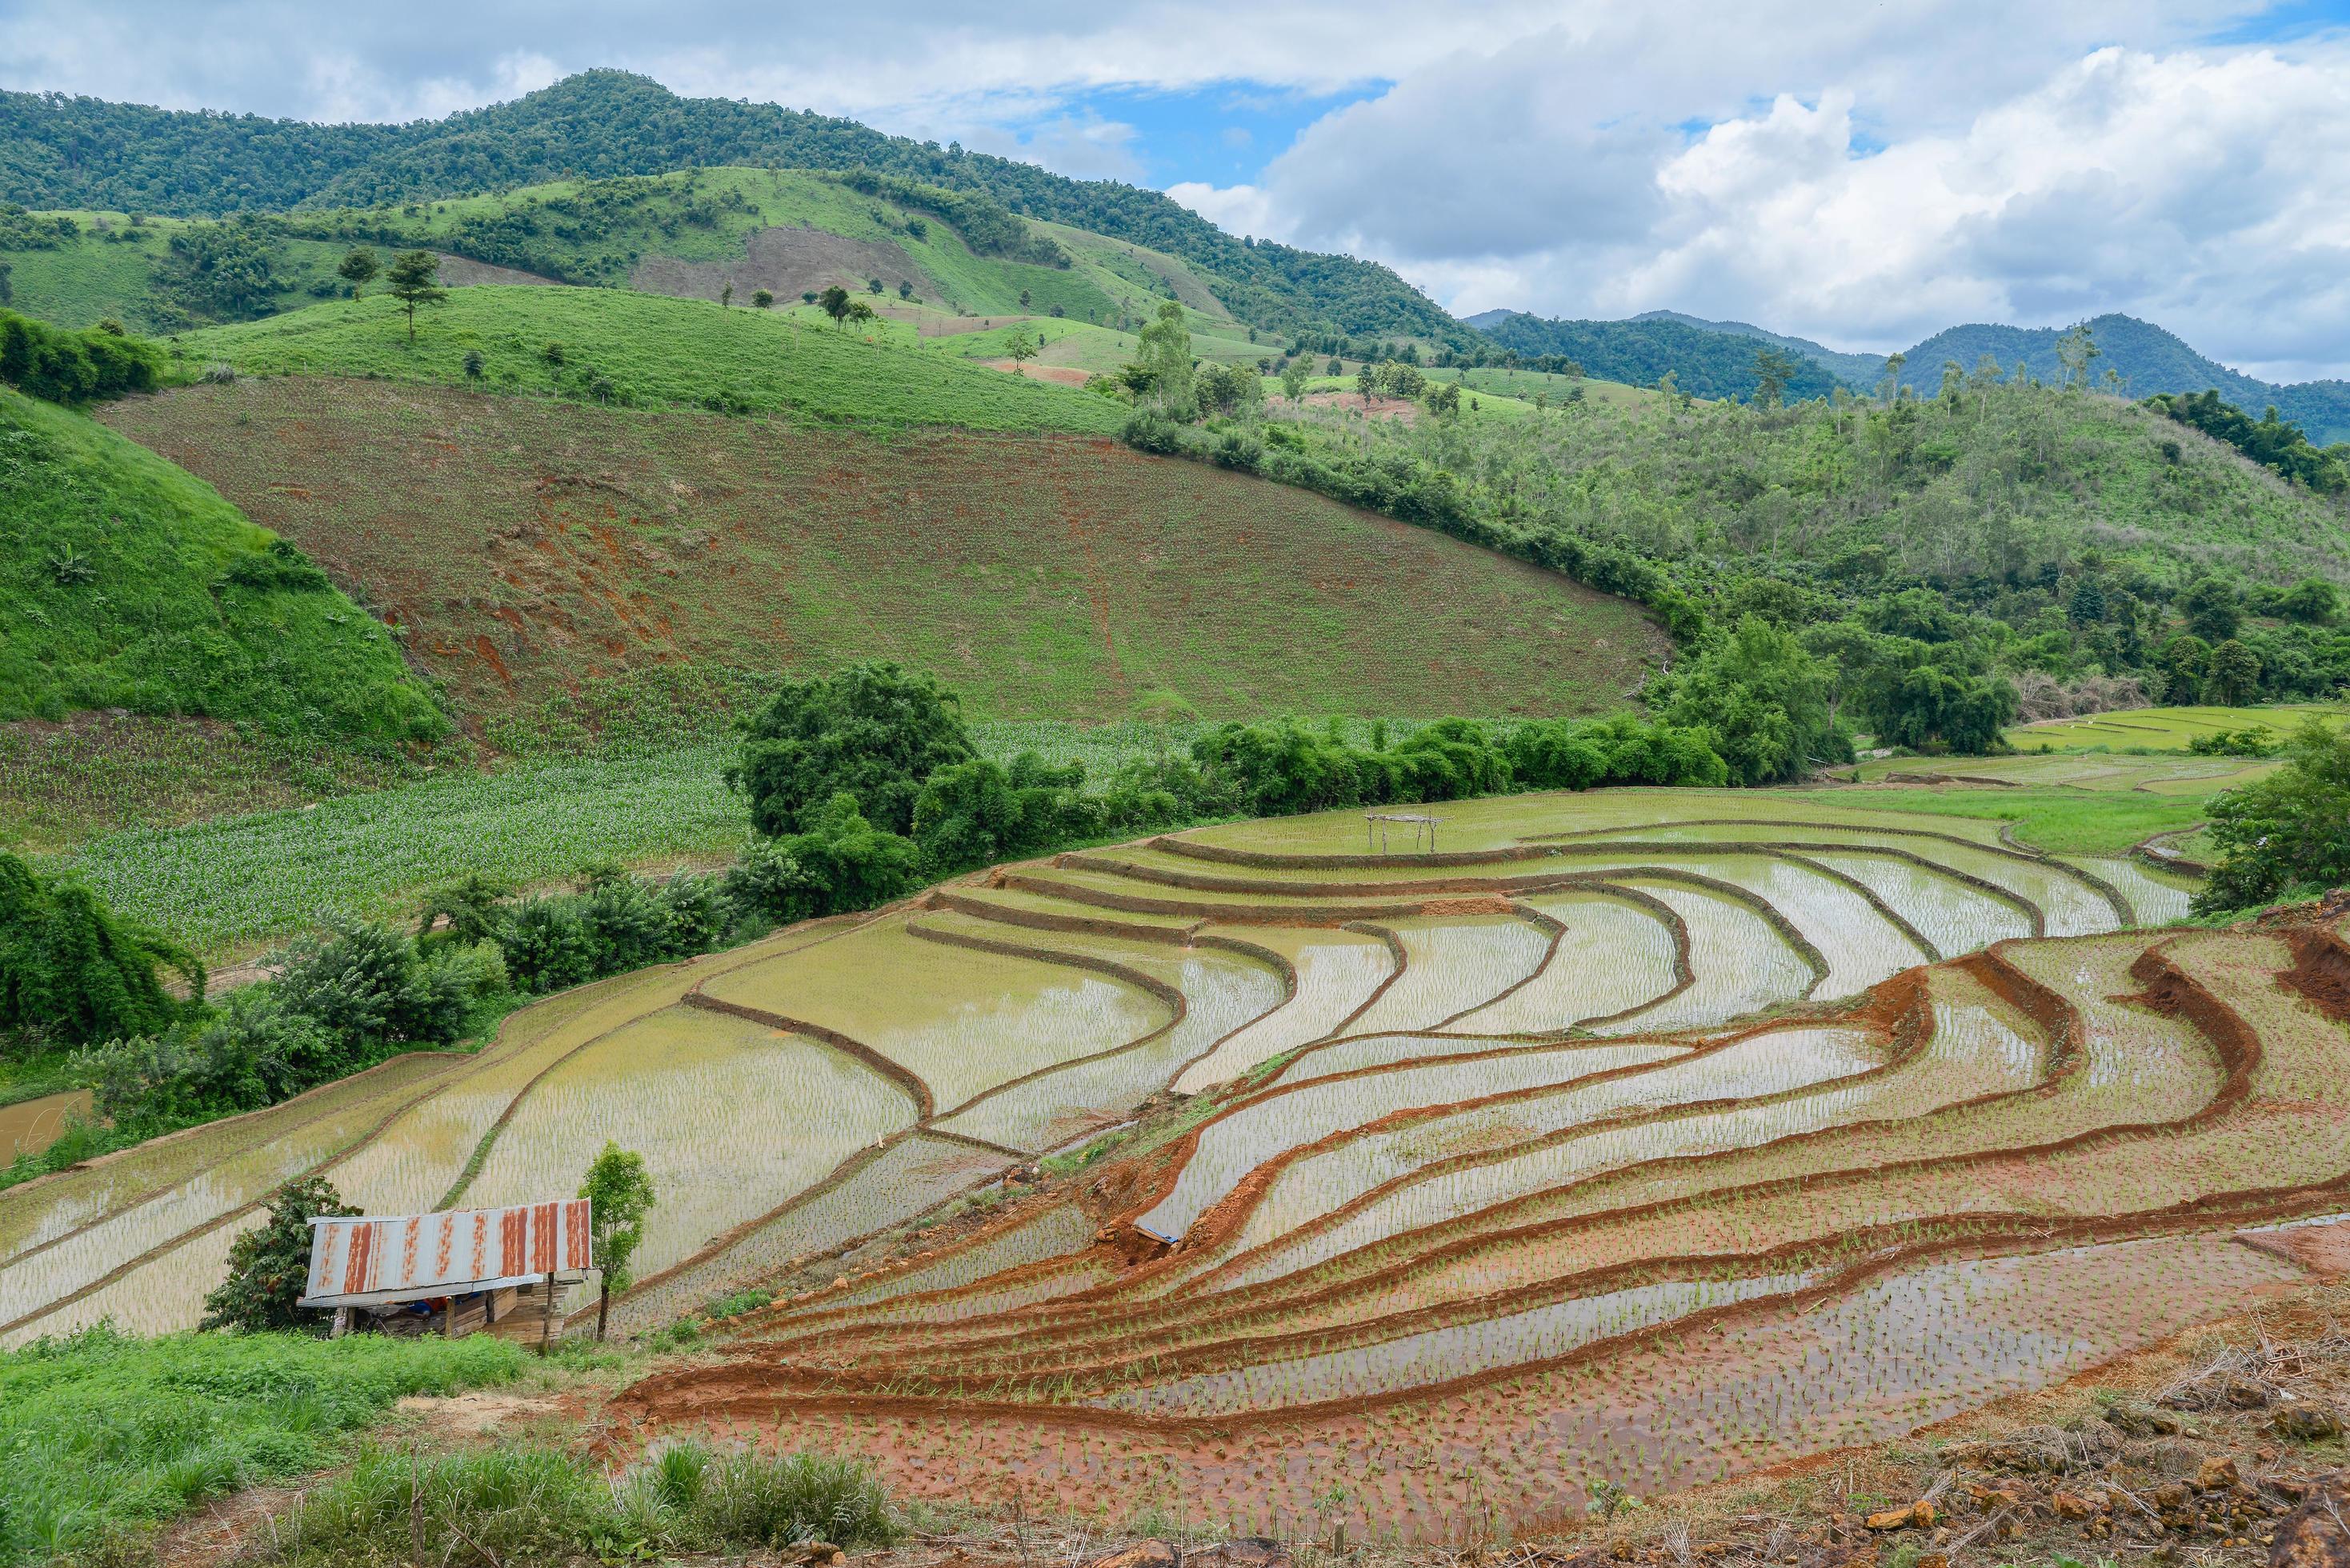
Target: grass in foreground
pixel 512 1503
pixel 618 347
pixel 105 1434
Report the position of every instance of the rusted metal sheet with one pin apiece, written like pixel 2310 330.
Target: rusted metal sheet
pixel 362 1260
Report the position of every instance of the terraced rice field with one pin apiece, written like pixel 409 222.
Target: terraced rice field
pixel 1645 1137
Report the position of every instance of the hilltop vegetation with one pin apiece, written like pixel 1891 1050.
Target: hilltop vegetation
pixel 131 584
pixel 619 348
pixel 1703 364
pixel 605 123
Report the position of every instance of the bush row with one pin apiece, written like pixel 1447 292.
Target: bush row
pixel 62 366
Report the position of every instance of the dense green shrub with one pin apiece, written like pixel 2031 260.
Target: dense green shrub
pixel 843 862
pixel 107 1434
pixel 873 730
pixel 1767 702
pixel 269 1266
pixel 980 812
pixel 72 972
pixel 62 365
pixel 2286 832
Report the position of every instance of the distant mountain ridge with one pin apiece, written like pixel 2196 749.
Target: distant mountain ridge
pixel 1859 370
pixel 57 152
pixel 2147 357
pixel 1703 362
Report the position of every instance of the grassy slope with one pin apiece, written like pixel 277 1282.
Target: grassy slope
pixel 652 350
pixel 1991 487
pixel 534 548
pixel 104 1433
pixel 113 594
pixel 76 285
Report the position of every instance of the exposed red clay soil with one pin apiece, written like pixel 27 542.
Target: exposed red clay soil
pixel 1066 375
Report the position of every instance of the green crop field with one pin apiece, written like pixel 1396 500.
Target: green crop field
pixel 2167 729
pixel 619 347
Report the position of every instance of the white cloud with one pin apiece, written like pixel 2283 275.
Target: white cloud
pixel 1860 174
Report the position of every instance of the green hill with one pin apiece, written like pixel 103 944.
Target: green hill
pixel 613 346
pixel 601 124
pixel 1859 371
pixel 564 568
pixel 131 584
pixel 2149 360
pixel 1703 363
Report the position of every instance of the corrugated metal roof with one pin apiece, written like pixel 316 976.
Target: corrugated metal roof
pixel 361 1259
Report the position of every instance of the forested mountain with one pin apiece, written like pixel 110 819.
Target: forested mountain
pixel 2147 359
pixel 1859 370
pixel 81 152
pixel 1703 362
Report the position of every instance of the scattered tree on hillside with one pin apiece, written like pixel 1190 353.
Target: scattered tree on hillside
pixel 269 1268
pixel 906 290
pixel 474 364
pixel 1336 366
pixel 1022 349
pixel 1888 386
pixel 726 295
pixel 836 302
pixel 1293 380
pixel 1772 371
pixel 859 313
pixel 1444 401
pixel 1023 299
pixel 414 280
pixel 2235 674
pixel 762 298
pixel 1366 382
pixel 872 286
pixel 2075 351
pixel 809 297
pixel 620 1195
pixel 358 268
pixel 1166 345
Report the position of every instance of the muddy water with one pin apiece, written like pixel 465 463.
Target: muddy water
pixel 28 1126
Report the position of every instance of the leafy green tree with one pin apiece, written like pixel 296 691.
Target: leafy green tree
pixel 1444 401
pixel 1766 701
pixel 980 812
pixel 1166 355
pixel 2075 351
pixel 834 301
pixel 859 313
pixel 726 295
pixel 1772 371
pixel 2235 673
pixel 841 863
pixel 358 268
pixel 2313 601
pixel 1293 380
pixel 875 730
pixel 1367 383
pixel 2288 831
pixel 2213 608
pixel 1226 387
pixel 761 298
pixel 269 1267
pixel 73 971
pixel 1929 706
pixel 415 279
pixel 619 1193
pixel 1021 348
pixel 2086 604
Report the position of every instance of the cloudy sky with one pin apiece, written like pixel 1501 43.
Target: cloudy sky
pixel 1861 171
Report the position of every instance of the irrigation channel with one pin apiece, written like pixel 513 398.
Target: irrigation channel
pixel 1638 1136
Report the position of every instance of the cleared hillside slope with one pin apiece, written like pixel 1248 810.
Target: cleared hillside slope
pixel 539 551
